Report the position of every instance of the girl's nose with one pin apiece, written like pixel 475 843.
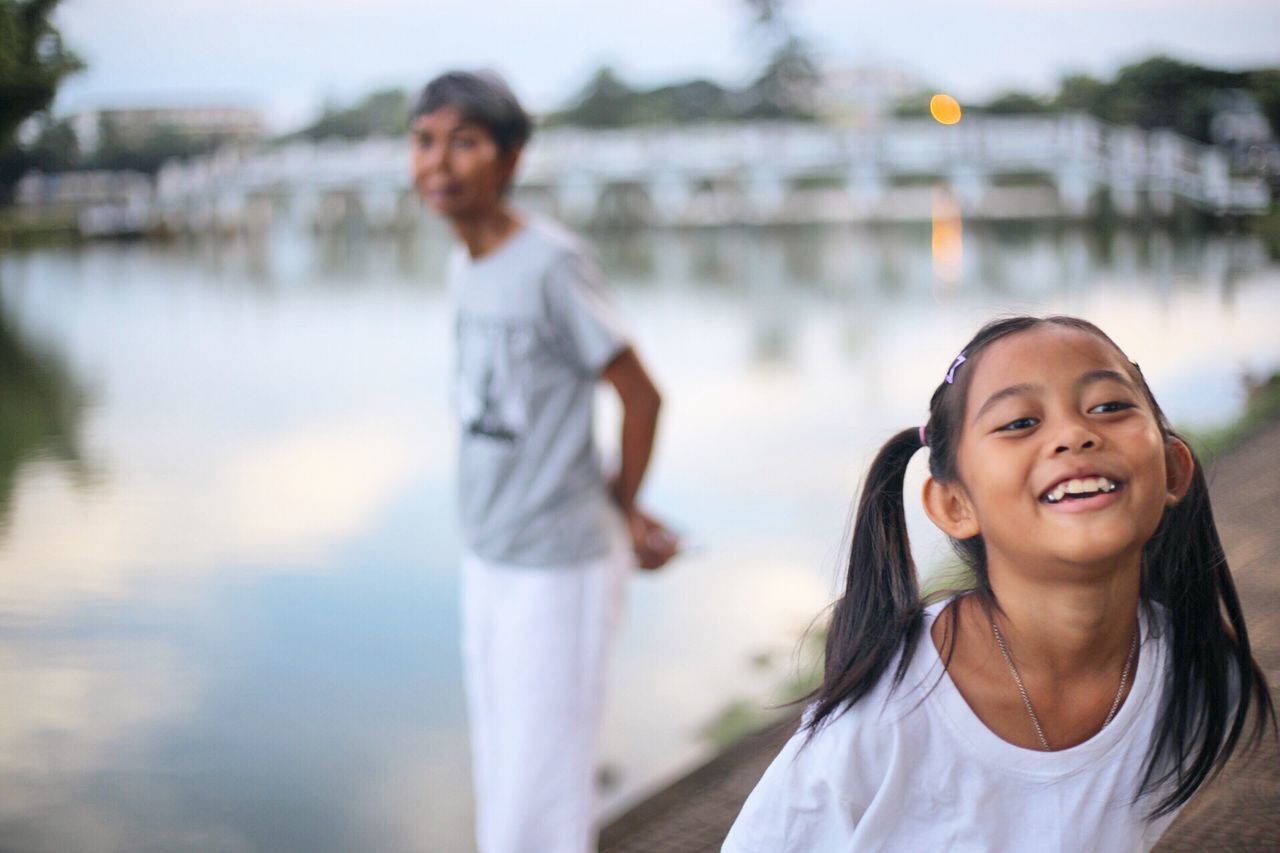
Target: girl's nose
pixel 1075 437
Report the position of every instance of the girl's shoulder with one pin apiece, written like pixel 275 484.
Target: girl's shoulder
pixel 894 709
pixel 826 777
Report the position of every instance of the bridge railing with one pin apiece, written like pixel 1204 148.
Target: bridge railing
pixel 767 161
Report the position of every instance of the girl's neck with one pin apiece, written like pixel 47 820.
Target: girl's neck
pixel 1069 643
pixel 487 232
pixel 1067 627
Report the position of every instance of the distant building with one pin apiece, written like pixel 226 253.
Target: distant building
pixel 1238 121
pixel 863 95
pixel 1240 128
pixel 101 203
pixel 134 124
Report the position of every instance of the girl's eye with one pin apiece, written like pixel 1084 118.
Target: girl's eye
pixel 1020 423
pixel 464 142
pixel 1111 406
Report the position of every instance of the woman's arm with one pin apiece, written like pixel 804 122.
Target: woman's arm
pixel 653 543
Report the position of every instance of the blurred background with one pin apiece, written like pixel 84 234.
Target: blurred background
pixel 227 541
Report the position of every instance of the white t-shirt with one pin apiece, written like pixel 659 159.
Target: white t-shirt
pixel 535 329
pixel 915 769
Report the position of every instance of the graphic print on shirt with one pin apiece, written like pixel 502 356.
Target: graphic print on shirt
pixel 492 387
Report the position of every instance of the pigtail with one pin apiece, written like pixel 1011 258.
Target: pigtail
pixel 1212 679
pixel 880 612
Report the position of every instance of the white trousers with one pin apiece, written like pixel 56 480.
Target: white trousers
pixel 534 647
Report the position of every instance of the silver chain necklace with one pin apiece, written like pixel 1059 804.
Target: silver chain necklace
pixel 1026 700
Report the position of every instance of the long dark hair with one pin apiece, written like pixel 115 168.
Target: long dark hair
pixel 1184 569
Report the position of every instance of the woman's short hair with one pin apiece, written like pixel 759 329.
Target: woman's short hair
pixel 482 97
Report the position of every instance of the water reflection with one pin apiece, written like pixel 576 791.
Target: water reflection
pixel 942 258
pixel 41 414
pixel 244 635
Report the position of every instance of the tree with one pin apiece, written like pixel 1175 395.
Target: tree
pixel 606 101
pixel 788 82
pixel 33 61
pixel 384 113
pixel 55 149
pixel 43 411
pixel 146 151
pixel 692 101
pixel 915 105
pixel 1264 85
pixel 1016 103
pixel 786 86
pixel 1083 93
pixel 1163 92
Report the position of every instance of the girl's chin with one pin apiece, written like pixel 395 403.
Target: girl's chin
pixel 1097 559
pixel 1074 557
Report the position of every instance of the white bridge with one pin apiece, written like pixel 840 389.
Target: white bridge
pixel 1061 166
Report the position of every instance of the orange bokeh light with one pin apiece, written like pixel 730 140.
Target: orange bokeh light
pixel 944 109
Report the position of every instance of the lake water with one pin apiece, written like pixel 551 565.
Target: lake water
pixel 227 544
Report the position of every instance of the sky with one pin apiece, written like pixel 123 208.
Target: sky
pixel 289 57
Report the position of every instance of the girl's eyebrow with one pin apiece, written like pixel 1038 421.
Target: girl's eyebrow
pixel 1104 374
pixel 1004 393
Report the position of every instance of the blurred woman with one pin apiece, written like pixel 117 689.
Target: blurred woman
pixel 548 537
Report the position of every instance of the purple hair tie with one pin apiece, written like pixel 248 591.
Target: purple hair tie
pixel 923 443
pixel 951 374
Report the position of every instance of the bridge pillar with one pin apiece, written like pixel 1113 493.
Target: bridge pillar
pixel 1127 168
pixel 338 211
pixel 969 186
pixel 866 185
pixel 259 214
pixel 381 207
pixel 670 192
pixel 229 211
pixel 1215 180
pixel 1124 197
pixel 579 195
pixel 1164 149
pixel 297 205
pixel 409 211
pixel 1075 191
pixel 766 193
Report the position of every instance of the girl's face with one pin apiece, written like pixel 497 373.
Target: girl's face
pixel 1061 460
pixel 458 168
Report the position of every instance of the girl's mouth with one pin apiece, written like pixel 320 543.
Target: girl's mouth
pixel 1079 488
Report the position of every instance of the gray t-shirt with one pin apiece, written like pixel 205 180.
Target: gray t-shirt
pixel 534 331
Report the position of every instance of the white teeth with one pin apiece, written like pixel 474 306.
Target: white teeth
pixel 1080 486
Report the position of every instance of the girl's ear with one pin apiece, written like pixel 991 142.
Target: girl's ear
pixel 1179 466
pixel 949 508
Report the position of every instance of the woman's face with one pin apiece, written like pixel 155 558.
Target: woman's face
pixel 1060 458
pixel 458 168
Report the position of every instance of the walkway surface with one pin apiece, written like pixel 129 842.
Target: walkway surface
pixel 1239 811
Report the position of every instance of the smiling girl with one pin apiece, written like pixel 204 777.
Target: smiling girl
pixel 1094 677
